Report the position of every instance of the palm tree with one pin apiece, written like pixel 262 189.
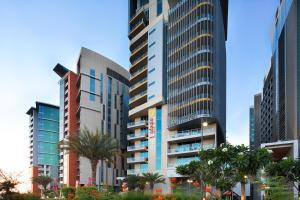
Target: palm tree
pixel 132 182
pixel 153 178
pixel 43 181
pixel 92 145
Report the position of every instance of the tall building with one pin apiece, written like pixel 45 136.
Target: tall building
pixel 280 110
pixel 95 97
pixel 43 136
pixel 268 105
pixel 178 82
pixel 251 127
pixel 257 119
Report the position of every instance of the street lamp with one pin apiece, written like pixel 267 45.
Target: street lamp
pixel 204 124
pixel 189 181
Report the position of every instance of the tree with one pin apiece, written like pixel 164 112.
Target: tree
pixel 93 146
pixel 246 164
pixel 43 181
pixel 132 182
pixel 153 178
pixel 225 166
pixel 288 168
pixel 8 183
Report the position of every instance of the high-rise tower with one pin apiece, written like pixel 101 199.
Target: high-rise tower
pixel 95 97
pixel 44 131
pixel 178 82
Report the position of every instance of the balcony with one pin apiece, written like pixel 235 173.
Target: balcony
pixel 138 136
pixel 137 124
pixel 138 63
pixel 133 160
pixel 138 49
pixel 141 73
pixel 137 148
pixel 140 13
pixel 191 134
pixel 136 171
pixel 138 99
pixel 185 149
pixel 138 87
pixel 182 161
pixel 137 28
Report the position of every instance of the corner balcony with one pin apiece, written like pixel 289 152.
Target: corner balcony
pixel 138 50
pixel 138 136
pixel 137 28
pixel 137 148
pixel 191 134
pixel 133 160
pixel 138 63
pixel 140 13
pixel 139 74
pixel 138 87
pixel 136 171
pixel 137 124
pixel 138 99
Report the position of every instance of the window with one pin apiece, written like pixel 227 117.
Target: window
pixel 151 97
pixel 159 7
pixel 153 43
pixel 109 87
pixel 151 57
pixel 152 31
pixel 151 70
pixel 101 88
pixel 152 83
pixel 92 85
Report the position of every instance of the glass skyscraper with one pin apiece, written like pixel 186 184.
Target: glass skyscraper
pixel 44 137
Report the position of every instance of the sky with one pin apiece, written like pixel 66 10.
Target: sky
pixel 36 35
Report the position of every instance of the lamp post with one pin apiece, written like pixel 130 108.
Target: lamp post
pixel 204 124
pixel 189 182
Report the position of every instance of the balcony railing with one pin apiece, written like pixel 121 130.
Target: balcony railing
pixel 140 134
pixel 142 9
pixel 185 148
pixel 137 147
pixel 189 148
pixel 191 133
pixel 138 83
pixel 136 159
pixel 136 171
pixel 137 96
pixel 188 133
pixel 195 115
pixel 137 123
pixel 182 161
pixel 139 59
pixel 138 71
pixel 138 47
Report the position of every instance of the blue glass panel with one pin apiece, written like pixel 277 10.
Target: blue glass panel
pixel 92 85
pixel 158 139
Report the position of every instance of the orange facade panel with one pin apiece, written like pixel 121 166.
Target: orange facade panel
pixel 34 187
pixel 73 126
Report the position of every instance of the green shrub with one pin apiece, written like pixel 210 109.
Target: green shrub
pixel 28 196
pixel 67 190
pixel 87 193
pixel 132 196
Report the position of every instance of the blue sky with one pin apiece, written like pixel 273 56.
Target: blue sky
pixel 35 35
